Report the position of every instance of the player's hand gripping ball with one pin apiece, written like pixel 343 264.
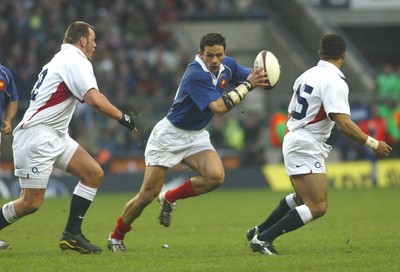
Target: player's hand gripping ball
pixel 266 60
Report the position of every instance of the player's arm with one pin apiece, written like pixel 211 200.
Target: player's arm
pixel 218 107
pixel 9 115
pixel 96 100
pixel 349 129
pixel 235 96
pixel 230 99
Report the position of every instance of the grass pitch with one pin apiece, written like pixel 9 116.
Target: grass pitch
pixel 360 232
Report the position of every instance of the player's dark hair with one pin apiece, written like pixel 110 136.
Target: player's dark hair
pixel 75 31
pixel 212 39
pixel 331 46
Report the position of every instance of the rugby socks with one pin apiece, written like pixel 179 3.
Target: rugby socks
pixel 184 191
pixel 284 206
pixel 78 208
pixel 81 199
pixel 3 222
pixel 294 219
pixel 120 229
pixel 7 215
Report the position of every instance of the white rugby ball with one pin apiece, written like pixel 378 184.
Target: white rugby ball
pixel 270 64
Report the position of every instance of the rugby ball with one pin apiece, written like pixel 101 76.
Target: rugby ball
pixel 270 64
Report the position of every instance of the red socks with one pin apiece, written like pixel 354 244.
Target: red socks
pixel 181 192
pixel 120 229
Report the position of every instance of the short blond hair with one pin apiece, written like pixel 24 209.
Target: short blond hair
pixel 75 31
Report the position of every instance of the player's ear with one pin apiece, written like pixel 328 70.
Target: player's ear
pixel 83 41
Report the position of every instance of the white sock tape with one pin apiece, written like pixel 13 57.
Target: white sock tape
pixel 85 191
pixel 9 212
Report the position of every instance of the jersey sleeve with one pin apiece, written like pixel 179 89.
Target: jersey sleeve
pixel 239 72
pixel 12 88
pixel 201 89
pixel 80 78
pixel 335 99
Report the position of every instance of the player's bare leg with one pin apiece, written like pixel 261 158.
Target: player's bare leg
pixel 286 204
pixel 211 172
pixel 83 166
pixel 211 175
pixel 28 202
pixel 311 189
pixel 151 187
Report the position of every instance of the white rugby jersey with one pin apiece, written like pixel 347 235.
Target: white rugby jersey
pixel 317 92
pixel 61 84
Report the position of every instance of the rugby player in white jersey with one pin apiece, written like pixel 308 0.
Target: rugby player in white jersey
pixel 319 101
pixel 41 139
pixel 181 136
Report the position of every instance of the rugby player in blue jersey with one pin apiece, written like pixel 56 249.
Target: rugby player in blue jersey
pixel 181 136
pixel 9 106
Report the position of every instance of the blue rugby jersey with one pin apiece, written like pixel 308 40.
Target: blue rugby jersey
pixel 198 88
pixel 8 90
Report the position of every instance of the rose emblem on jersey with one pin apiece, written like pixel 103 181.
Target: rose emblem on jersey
pixel 2 85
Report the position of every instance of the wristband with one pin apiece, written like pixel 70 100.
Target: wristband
pixel 128 121
pixel 372 143
pixel 248 85
pixel 234 97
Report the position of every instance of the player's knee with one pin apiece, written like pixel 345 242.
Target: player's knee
pixel 319 210
pixel 99 174
pixel 217 178
pixel 95 177
pixel 32 206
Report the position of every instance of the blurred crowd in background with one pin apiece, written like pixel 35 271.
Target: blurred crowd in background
pixel 138 64
pixel 381 117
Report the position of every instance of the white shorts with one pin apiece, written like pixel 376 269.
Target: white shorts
pixel 168 145
pixel 303 153
pixel 36 151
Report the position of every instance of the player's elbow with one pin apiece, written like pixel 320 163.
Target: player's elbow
pixel 93 98
pixel 343 122
pixel 218 107
pixel 220 112
pixel 93 103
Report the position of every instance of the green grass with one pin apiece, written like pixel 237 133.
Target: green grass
pixel 360 232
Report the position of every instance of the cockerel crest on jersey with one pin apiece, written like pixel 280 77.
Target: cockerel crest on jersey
pixel 222 82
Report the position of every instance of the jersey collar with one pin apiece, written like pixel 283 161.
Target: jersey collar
pixel 327 64
pixel 203 65
pixel 72 47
